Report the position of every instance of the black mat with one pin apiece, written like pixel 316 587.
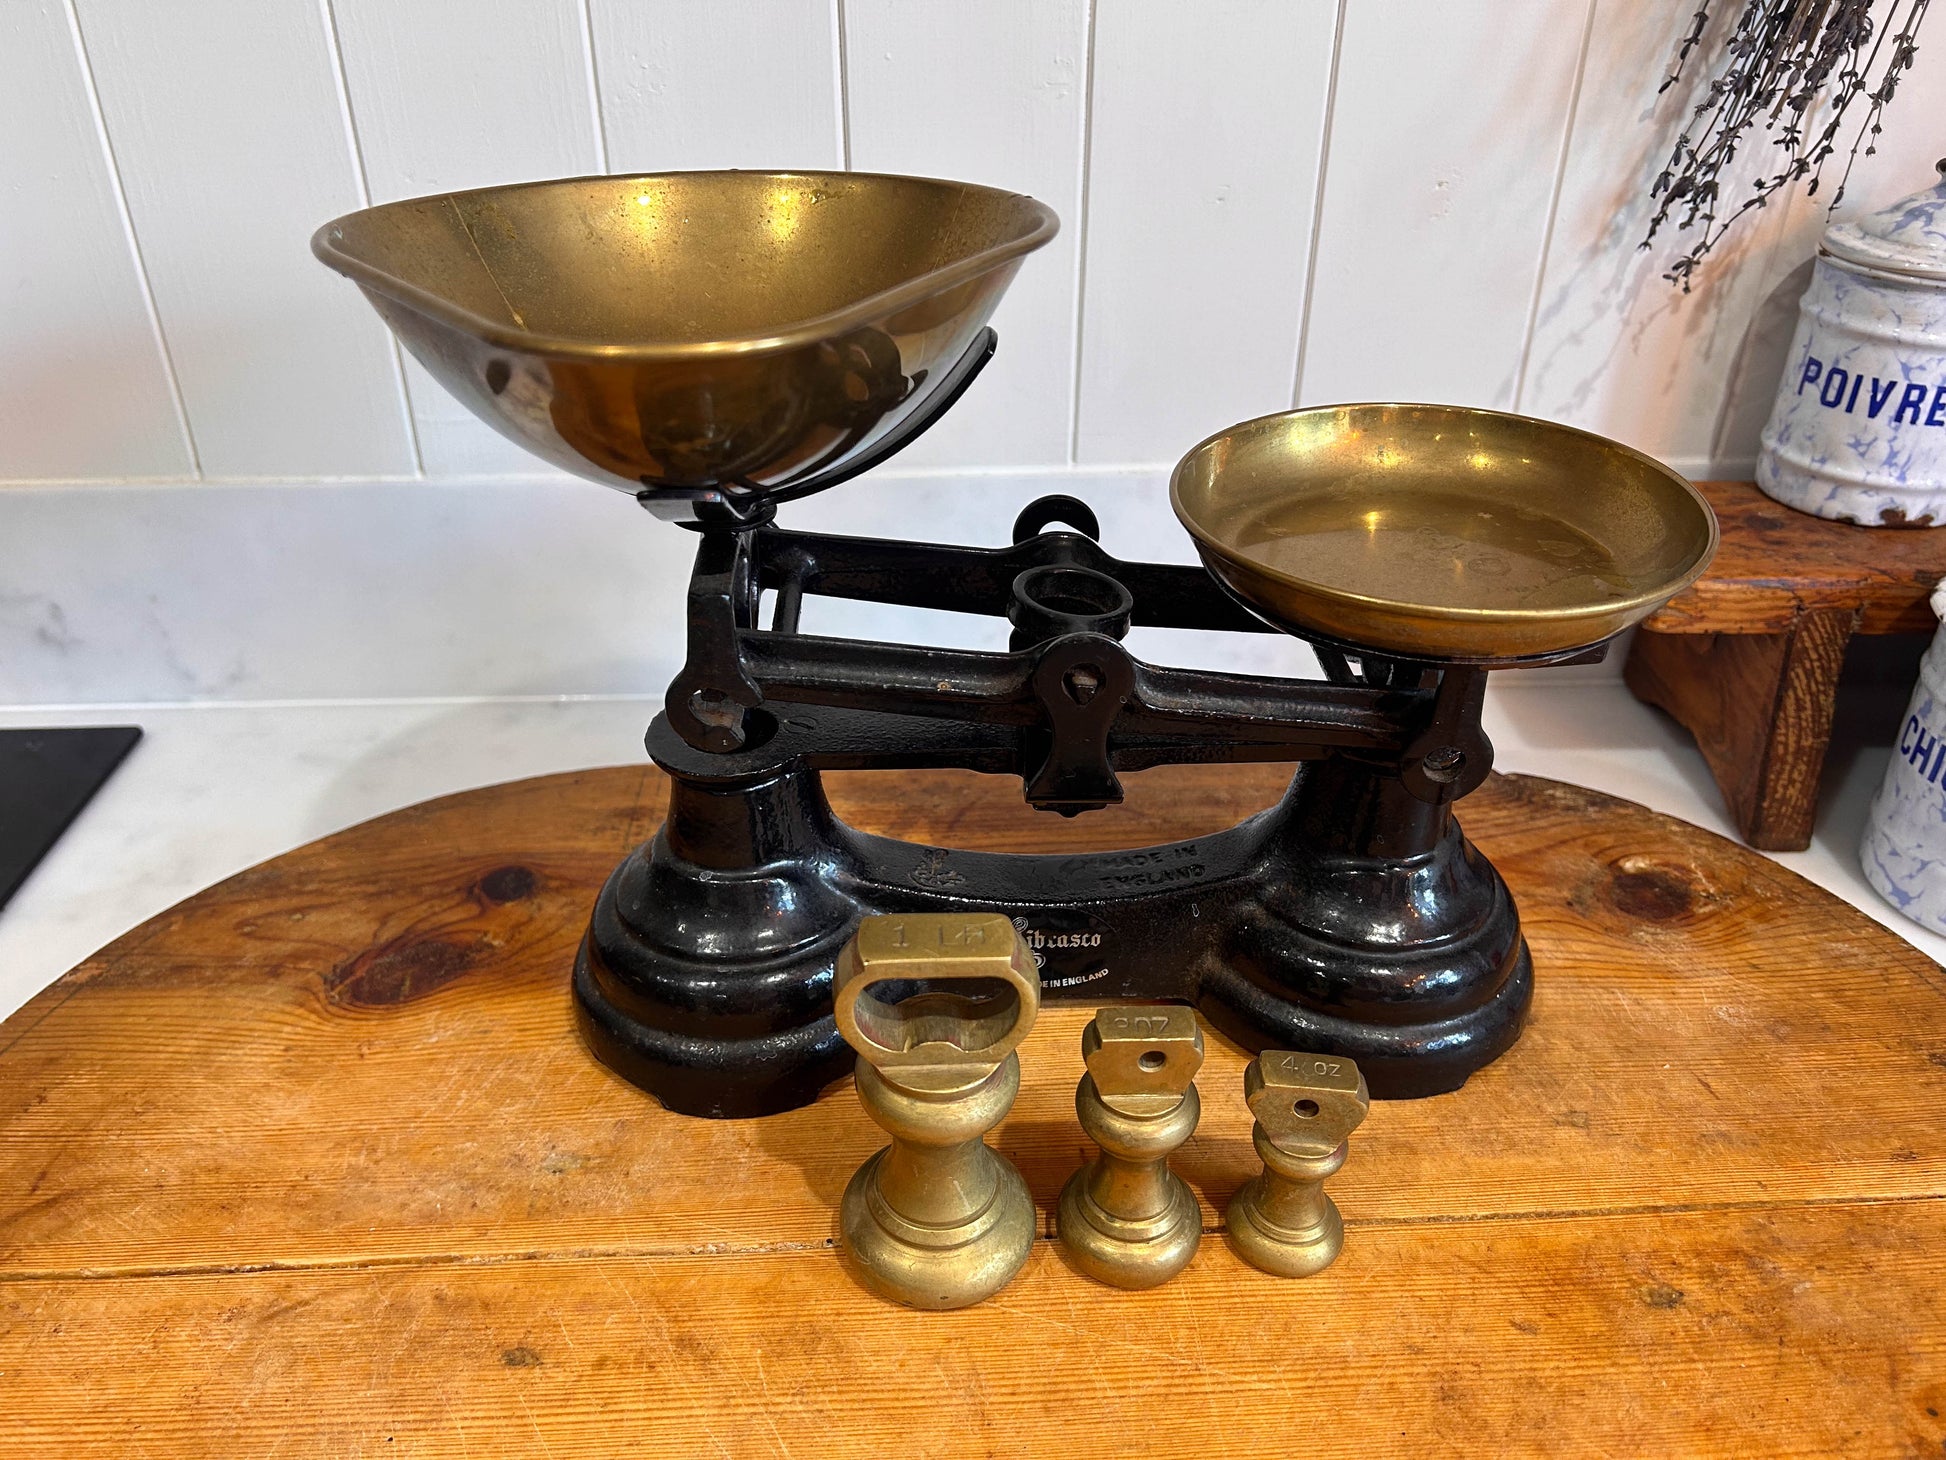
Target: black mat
pixel 46 777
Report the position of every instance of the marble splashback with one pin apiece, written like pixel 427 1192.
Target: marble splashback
pixel 412 589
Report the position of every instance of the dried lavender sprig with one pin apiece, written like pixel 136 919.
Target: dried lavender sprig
pixel 1781 59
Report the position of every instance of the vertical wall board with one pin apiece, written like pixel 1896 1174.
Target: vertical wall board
pixel 1445 145
pixel 451 94
pixel 84 388
pixel 226 122
pixel 1204 137
pixel 987 91
pixel 1616 347
pixel 719 83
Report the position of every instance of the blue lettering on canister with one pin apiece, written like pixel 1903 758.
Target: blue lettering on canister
pixel 1839 389
pixel 1912 402
pixel 1923 746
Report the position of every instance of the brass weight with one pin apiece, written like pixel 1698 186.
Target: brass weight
pixel 1126 1218
pixel 937 1219
pixel 1306 1105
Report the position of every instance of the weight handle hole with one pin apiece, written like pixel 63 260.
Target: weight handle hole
pixel 1306 1108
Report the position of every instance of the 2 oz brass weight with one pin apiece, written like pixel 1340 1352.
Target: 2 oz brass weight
pixel 1306 1105
pixel 1126 1219
pixel 935 1003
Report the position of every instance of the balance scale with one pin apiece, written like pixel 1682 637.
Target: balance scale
pixel 717 344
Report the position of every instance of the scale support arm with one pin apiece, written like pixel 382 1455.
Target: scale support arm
pixel 1074 705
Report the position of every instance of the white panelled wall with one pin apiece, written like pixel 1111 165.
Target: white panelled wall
pixel 220 479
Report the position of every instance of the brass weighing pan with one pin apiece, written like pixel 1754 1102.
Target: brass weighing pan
pixel 1441 532
pixel 675 333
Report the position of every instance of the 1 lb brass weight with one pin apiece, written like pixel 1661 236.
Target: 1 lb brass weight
pixel 1306 1105
pixel 1126 1218
pixel 935 1003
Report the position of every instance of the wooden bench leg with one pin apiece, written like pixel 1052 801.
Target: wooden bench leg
pixel 1760 707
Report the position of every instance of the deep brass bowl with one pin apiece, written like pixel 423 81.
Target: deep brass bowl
pixel 1441 532
pixel 692 330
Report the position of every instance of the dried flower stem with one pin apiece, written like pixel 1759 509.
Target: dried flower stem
pixel 1784 59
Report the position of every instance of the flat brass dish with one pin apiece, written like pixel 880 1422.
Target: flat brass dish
pixel 1441 531
pixel 689 331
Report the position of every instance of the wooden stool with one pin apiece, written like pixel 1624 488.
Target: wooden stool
pixel 1748 658
pixel 315 1164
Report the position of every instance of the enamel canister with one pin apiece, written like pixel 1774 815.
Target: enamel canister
pixel 1859 429
pixel 1903 854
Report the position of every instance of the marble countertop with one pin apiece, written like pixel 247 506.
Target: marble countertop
pixel 215 788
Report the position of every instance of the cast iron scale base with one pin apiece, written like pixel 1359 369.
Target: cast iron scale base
pixel 1352 918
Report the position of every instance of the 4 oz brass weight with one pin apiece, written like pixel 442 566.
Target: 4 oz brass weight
pixel 937 1219
pixel 1306 1105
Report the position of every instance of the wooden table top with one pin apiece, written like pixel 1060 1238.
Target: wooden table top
pixel 314 1164
pixel 1774 563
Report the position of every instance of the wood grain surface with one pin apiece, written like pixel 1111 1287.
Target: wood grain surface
pixel 314 1164
pixel 1761 708
pixel 1774 564
pixel 1748 657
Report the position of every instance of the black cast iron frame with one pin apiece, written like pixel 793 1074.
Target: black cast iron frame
pixel 1351 918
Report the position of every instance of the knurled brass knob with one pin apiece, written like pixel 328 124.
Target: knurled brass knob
pixel 1306 1105
pixel 1126 1218
pixel 935 1003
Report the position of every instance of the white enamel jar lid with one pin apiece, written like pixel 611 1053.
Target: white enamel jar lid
pixel 1907 238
